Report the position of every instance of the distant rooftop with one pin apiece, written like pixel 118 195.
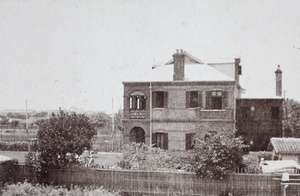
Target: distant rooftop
pixel 286 145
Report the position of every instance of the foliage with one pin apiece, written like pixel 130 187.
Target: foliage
pixel 220 155
pixel 33 165
pixel 37 190
pixel 16 146
pixel 139 156
pixel 62 137
pixel 9 171
pixel 251 164
pixel 40 114
pixel 17 115
pixel 103 122
pixel 291 118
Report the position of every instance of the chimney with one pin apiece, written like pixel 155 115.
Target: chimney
pixel 238 71
pixel 178 58
pixel 278 74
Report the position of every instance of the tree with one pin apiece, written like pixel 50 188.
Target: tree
pixel 291 118
pixel 61 137
pixel 218 156
pixel 15 123
pixel 102 122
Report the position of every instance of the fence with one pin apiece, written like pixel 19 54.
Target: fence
pixel 169 183
pixel 17 135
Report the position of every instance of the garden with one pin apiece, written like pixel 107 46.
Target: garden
pixel 64 162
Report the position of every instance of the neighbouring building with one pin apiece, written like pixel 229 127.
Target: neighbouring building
pixel 186 99
pixel 285 148
pixel 259 117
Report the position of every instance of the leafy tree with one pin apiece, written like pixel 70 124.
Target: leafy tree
pixel 291 118
pixel 61 137
pixel 40 114
pixel 103 122
pixel 15 123
pixel 220 155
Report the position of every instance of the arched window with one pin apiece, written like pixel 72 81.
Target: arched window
pixel 137 101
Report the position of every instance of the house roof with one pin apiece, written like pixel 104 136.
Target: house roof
pixel 286 145
pixel 192 71
pixel 188 59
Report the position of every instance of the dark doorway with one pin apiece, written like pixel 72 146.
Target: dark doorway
pixel 137 135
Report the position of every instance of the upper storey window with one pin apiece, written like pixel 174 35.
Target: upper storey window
pixel 137 101
pixel 193 99
pixel 216 100
pixel 160 99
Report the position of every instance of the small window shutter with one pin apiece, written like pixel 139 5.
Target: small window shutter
pixel 200 99
pixel 165 99
pixel 165 147
pixel 208 99
pixel 188 94
pixel 187 141
pixel 154 139
pixel 154 99
pixel 224 99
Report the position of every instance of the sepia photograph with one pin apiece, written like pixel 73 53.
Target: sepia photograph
pixel 150 98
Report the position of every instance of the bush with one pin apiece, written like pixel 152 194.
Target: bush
pixel 33 166
pixel 220 155
pixel 37 190
pixel 141 157
pixel 251 164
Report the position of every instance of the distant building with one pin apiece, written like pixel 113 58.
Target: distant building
pixel 185 99
pixel 260 117
pixel 286 148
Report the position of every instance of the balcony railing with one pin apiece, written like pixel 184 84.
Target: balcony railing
pixel 137 114
pixel 192 114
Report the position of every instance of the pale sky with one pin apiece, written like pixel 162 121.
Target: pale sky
pixel 68 53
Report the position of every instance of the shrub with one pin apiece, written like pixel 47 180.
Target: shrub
pixel 220 155
pixel 33 166
pixel 251 164
pixel 141 157
pixel 37 190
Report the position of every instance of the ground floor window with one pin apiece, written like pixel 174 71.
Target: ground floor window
pixel 189 140
pixel 137 135
pixel 160 140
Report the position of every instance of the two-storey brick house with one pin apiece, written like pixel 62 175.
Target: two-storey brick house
pixel 181 100
pixel 259 117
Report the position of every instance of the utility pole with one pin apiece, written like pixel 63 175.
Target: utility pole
pixel 112 125
pixel 26 118
pixel 150 88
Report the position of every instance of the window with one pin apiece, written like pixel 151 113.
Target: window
pixel 160 140
pixel 193 99
pixel 216 100
pixel 160 99
pixel 137 101
pixel 275 113
pixel 189 140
